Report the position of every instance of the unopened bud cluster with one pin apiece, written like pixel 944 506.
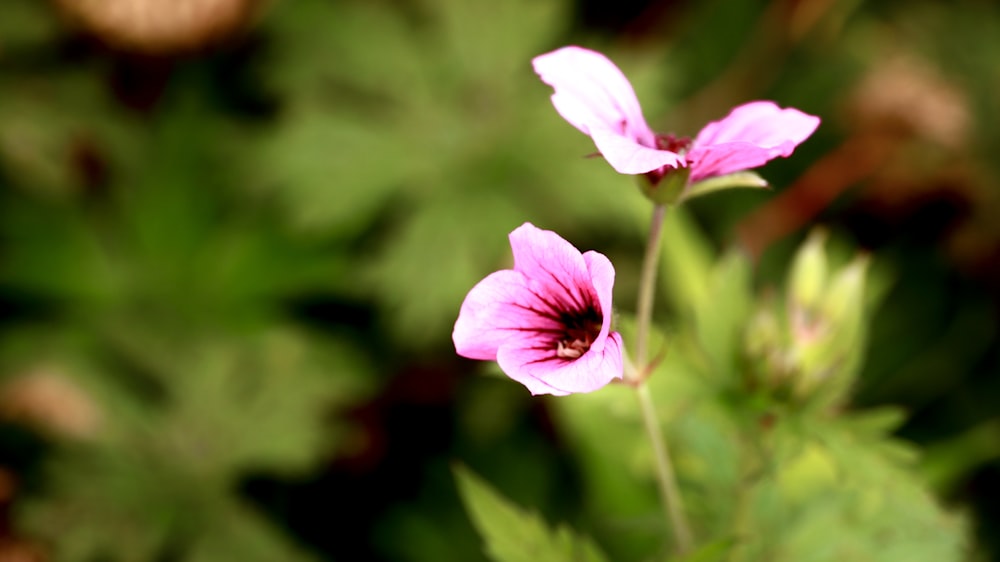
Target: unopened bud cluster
pixel 808 346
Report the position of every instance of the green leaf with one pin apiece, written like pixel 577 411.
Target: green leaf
pixel 877 422
pixel 809 274
pixel 164 473
pixel 720 321
pixel 839 493
pixel 687 257
pixel 715 551
pixel 947 462
pixel 26 23
pixel 720 183
pixel 514 535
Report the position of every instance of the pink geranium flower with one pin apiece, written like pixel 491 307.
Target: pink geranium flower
pixel 596 98
pixel 546 322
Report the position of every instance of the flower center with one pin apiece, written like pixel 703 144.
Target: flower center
pixel 679 145
pixel 581 329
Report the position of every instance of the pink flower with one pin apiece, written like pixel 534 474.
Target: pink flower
pixel 595 97
pixel 547 321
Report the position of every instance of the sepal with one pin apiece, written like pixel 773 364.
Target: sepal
pixel 738 180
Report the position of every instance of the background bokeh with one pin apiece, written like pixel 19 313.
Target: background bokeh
pixel 234 236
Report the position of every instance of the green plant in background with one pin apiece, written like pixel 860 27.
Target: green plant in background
pixel 177 335
pixel 778 470
pixel 158 476
pixel 429 143
pixel 155 296
pixel 772 463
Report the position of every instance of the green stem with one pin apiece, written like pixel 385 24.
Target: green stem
pixel 669 493
pixel 647 287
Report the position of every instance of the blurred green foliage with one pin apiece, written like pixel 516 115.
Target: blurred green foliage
pixel 514 535
pixel 438 135
pixel 781 472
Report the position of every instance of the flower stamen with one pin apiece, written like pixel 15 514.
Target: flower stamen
pixel 573 349
pixel 678 145
pixel 580 333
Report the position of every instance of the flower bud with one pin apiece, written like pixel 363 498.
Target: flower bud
pixel 830 359
pixel 808 351
pixel 765 344
pixel 843 302
pixel 809 272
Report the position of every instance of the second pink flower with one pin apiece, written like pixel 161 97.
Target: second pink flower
pixel 596 98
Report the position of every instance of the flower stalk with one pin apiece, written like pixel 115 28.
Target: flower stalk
pixel 647 289
pixel 670 497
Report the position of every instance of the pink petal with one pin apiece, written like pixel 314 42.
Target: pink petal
pixel 592 93
pixel 751 135
pixel 591 371
pixel 762 123
pixel 523 364
pixel 602 275
pixel 498 308
pixel 518 316
pixel 555 270
pixel 722 159
pixel 627 156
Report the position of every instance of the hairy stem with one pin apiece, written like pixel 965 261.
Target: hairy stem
pixel 670 495
pixel 647 288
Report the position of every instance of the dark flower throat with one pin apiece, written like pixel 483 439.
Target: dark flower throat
pixel 581 328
